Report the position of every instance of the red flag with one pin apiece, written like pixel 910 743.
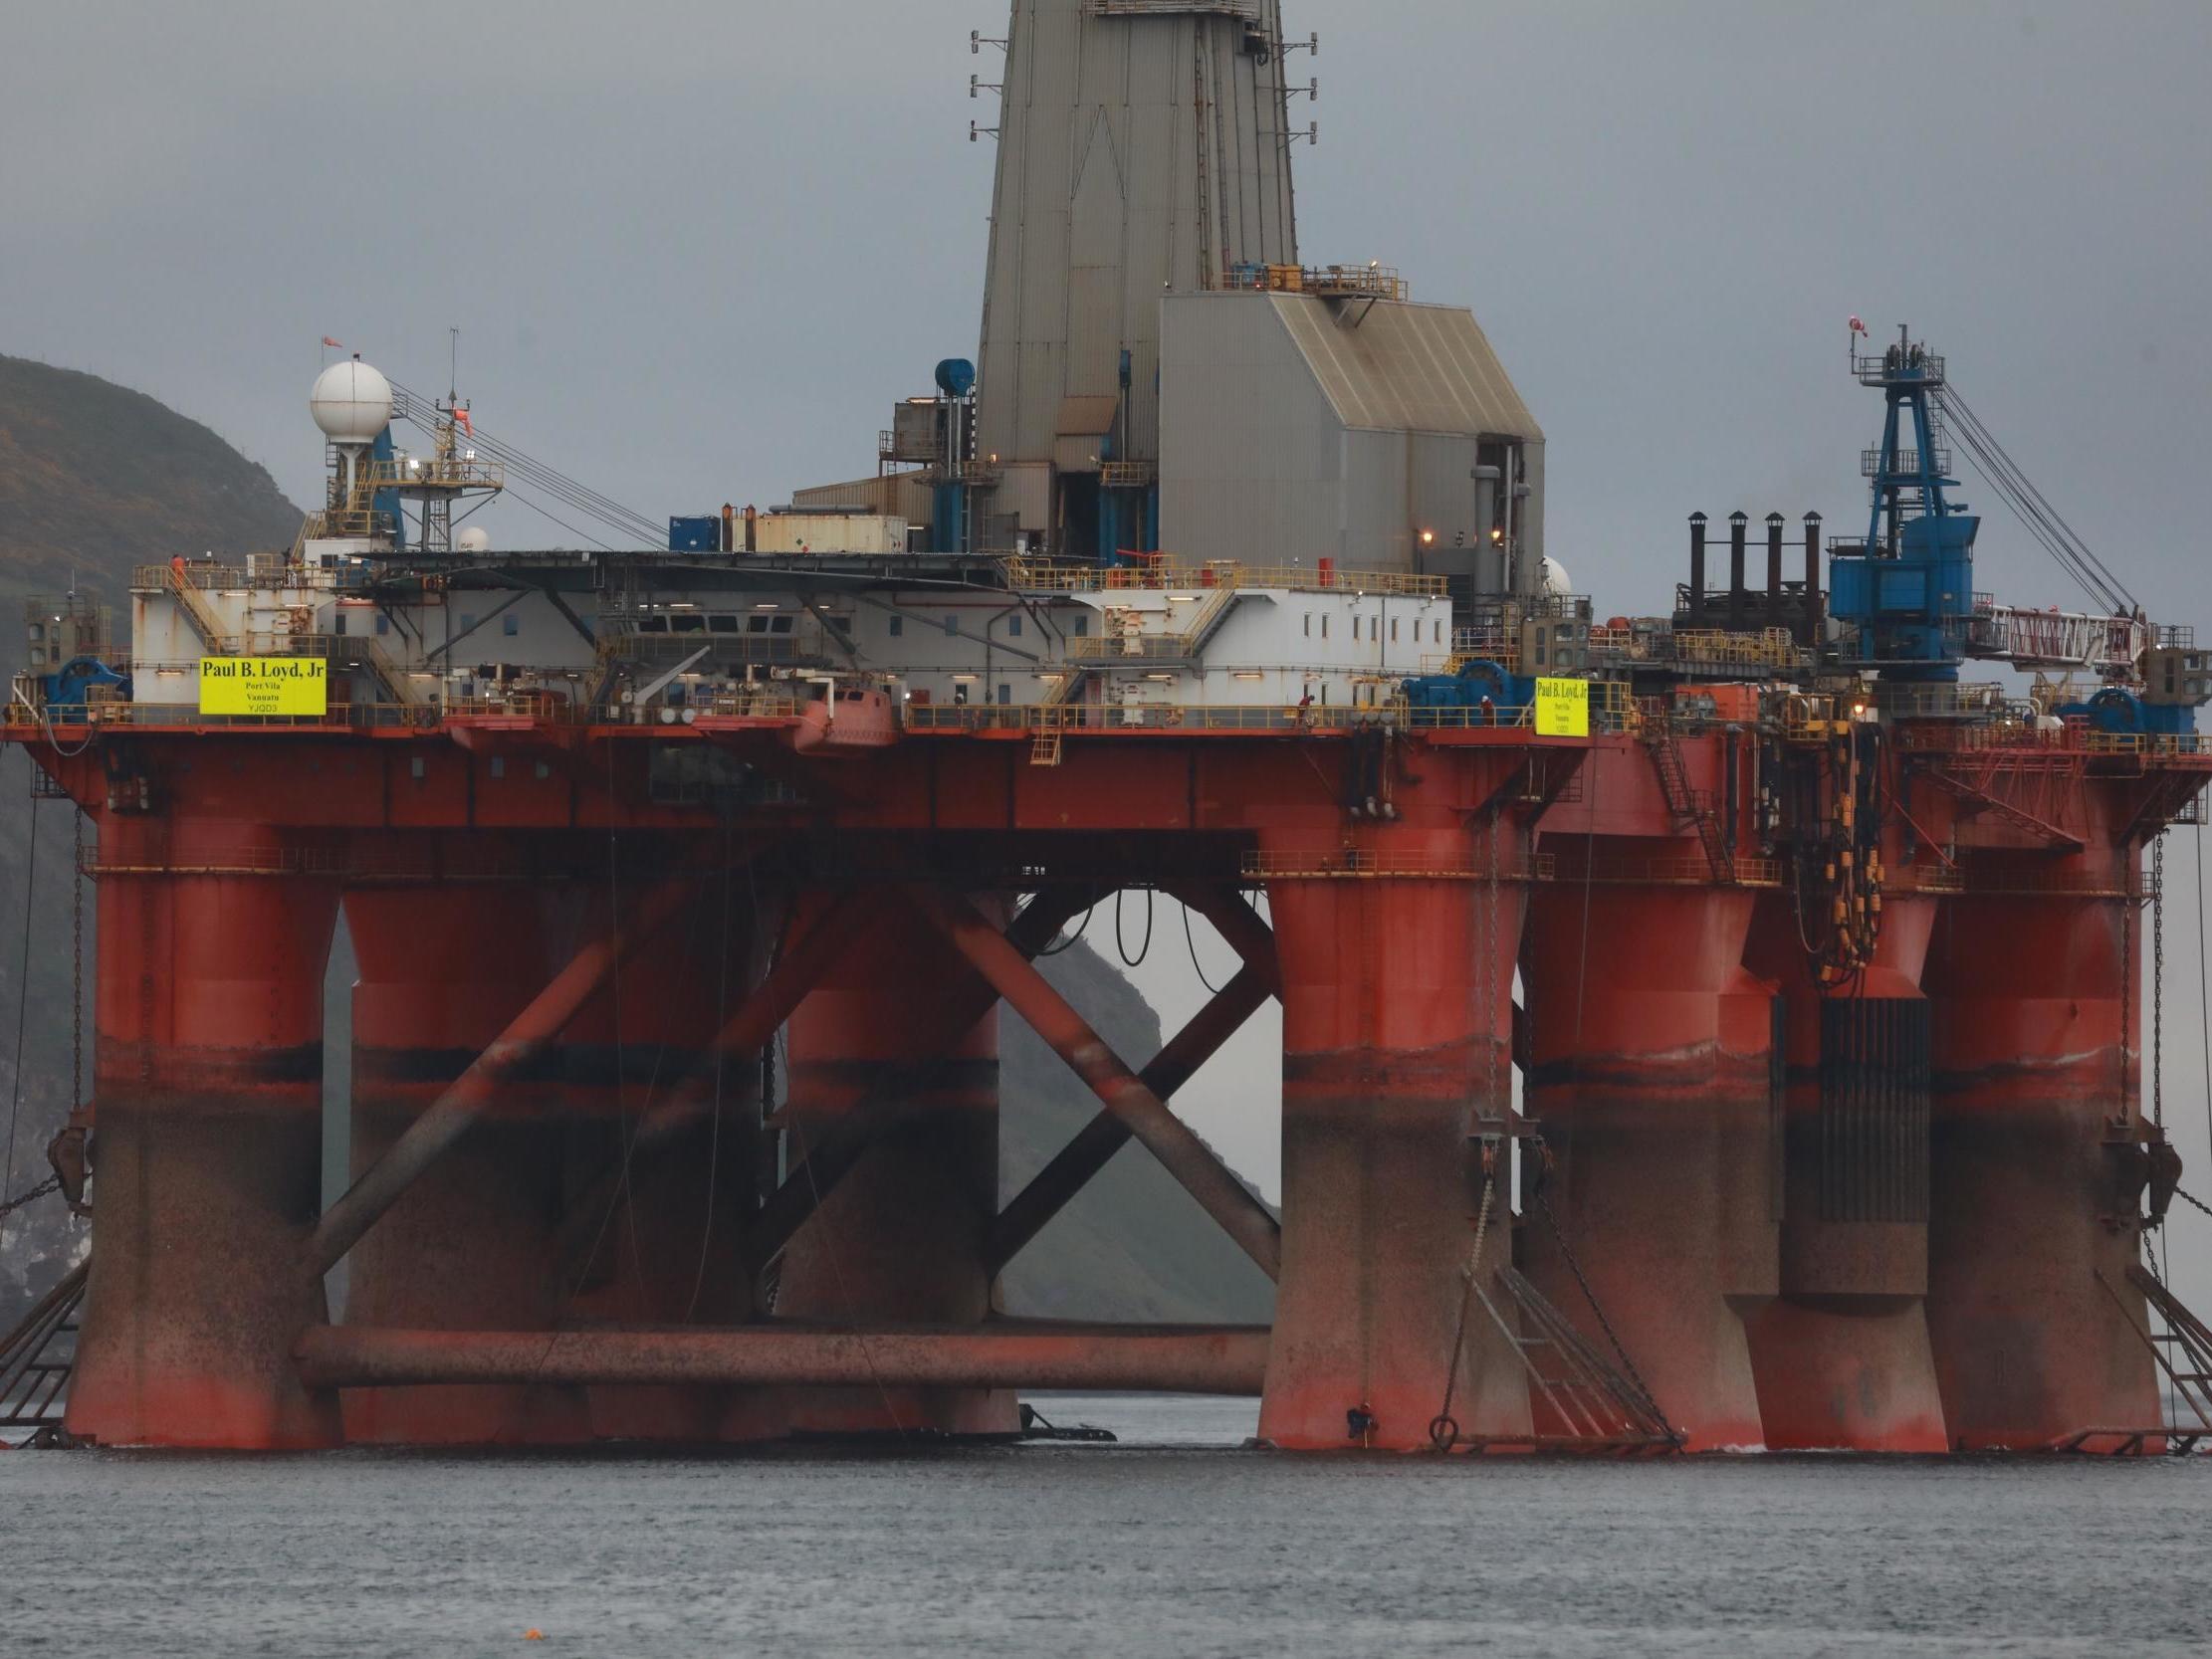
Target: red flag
pixel 326 340
pixel 1859 328
pixel 461 419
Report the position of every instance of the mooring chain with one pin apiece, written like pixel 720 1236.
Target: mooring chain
pixel 1443 1431
pixel 52 1184
pixel 2193 1203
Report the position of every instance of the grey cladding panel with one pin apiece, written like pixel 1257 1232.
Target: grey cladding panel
pixel 1406 369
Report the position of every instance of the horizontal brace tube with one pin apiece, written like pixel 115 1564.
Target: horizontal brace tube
pixel 1207 1359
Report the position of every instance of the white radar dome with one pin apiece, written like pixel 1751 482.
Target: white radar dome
pixel 350 402
pixel 1556 579
pixel 475 540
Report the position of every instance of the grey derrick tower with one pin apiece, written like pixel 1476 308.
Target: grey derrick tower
pixel 1144 149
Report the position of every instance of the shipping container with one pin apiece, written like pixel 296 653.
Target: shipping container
pixel 695 535
pixel 829 533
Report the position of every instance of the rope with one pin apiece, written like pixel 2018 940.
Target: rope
pixel 2159 982
pixel 22 991
pixel 1120 947
pixel 1212 989
pixel 2203 1026
pixel 77 965
pixel 1069 941
pixel 722 1019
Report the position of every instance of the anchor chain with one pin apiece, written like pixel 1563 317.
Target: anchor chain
pixel 1443 1429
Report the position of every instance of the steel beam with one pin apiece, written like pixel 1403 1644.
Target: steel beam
pixel 1184 1157
pixel 1201 1360
pixel 450 1117
pixel 830 1155
pixel 1052 1188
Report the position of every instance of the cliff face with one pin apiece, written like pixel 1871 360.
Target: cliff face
pixel 96 479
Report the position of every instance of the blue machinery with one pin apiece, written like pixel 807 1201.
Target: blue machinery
pixel 63 692
pixel 956 380
pixel 1908 589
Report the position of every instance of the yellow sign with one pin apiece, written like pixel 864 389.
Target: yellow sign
pixel 264 686
pixel 1562 708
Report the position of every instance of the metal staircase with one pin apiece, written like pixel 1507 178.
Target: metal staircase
pixel 36 1358
pixel 1692 806
pixel 197 611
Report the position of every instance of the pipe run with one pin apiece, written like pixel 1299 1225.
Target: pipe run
pixel 1194 1360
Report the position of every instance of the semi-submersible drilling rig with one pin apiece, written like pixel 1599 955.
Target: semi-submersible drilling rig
pixel 686 882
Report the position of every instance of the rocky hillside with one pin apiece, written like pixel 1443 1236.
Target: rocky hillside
pixel 96 479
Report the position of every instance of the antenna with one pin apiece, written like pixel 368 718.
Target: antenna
pixel 453 365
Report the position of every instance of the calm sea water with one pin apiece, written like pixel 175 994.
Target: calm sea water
pixel 1174 1543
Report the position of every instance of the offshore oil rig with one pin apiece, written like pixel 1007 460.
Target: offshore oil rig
pixel 1714 1030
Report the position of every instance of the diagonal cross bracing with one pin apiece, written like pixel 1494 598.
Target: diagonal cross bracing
pixel 1184 1157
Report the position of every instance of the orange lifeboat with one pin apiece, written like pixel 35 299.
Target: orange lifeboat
pixel 849 719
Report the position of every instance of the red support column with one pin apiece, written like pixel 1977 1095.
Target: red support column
pixel 2037 1171
pixel 208 1070
pixel 1842 1354
pixel 472 1244
pixel 1651 1077
pixel 1397 995
pixel 902 1237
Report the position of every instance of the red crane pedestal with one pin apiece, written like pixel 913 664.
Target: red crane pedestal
pixel 474 1243
pixel 2037 1168
pixel 209 1071
pixel 1397 992
pixel 901 1238
pixel 1649 1074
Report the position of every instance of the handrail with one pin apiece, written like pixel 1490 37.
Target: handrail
pixel 1162 574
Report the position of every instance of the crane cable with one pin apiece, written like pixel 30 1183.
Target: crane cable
pixel 424 413
pixel 2028 504
pixel 537 474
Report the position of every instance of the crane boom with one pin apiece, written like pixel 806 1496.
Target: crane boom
pixel 2111 646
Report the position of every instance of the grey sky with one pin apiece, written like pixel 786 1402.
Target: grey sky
pixel 696 249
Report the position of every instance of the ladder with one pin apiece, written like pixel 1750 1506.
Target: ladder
pixel 1598 1408
pixel 1044 745
pixel 1687 805
pixel 2188 1338
pixel 36 1358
